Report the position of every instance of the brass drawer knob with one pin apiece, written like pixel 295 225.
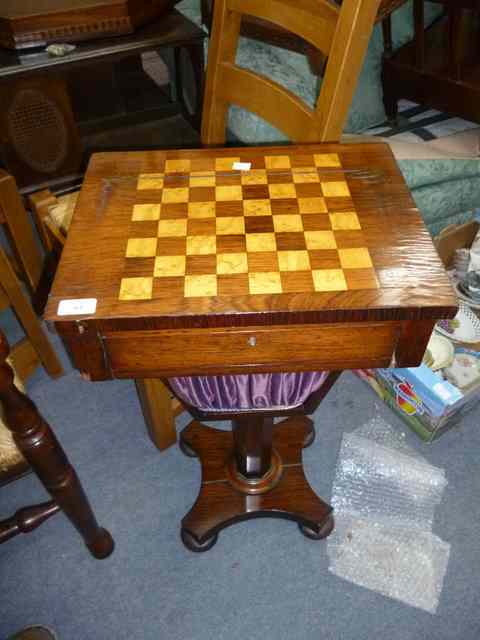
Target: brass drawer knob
pixel 252 341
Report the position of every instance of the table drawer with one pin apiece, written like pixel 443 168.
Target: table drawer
pixel 274 348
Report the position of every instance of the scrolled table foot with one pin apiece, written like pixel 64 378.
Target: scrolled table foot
pixel 324 530
pixel 309 436
pixel 192 543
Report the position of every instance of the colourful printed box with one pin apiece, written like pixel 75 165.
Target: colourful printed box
pixel 422 398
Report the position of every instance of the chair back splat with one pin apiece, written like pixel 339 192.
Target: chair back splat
pixel 340 33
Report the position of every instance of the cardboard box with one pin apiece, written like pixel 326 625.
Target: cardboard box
pixel 424 399
pixel 428 403
pixel 457 236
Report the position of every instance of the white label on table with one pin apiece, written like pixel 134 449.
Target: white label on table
pixel 77 307
pixel 242 166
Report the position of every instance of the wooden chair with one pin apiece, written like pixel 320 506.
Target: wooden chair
pixel 341 34
pixel 26 263
pixel 38 448
pixel 19 231
pixel 258 29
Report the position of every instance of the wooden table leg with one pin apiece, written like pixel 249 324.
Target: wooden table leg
pixel 256 472
pixel 156 402
pixel 38 444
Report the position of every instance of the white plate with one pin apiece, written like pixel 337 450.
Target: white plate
pixel 463 297
pixel 464 372
pixel 468 329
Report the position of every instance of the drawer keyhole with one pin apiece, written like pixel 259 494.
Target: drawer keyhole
pixel 252 341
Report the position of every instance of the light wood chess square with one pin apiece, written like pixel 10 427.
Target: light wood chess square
pixel 265 282
pixel 200 286
pixel 225 164
pixel 228 263
pixel 329 280
pixel 174 227
pixel 146 212
pixel 254 176
pixel 326 160
pixel 293 261
pixel 355 258
pixel 337 189
pixel 261 242
pixel 169 266
pixel 257 208
pixel 177 194
pixel 312 205
pixel 201 209
pixel 228 192
pixel 345 221
pixel 141 247
pixel 202 179
pixel 150 181
pixel 305 175
pixel 320 240
pixel 201 245
pixel 277 162
pixel 287 222
pixel 136 289
pixel 177 166
pixel 230 226
pixel 286 190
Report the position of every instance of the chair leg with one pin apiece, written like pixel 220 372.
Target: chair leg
pixel 156 402
pixel 30 322
pixel 27 519
pixel 38 444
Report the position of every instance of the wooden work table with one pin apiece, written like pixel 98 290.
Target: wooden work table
pixel 314 258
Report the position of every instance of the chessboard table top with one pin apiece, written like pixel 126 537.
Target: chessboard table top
pixel 311 233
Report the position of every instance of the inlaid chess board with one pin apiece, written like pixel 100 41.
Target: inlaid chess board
pixel 188 238
pixel 207 227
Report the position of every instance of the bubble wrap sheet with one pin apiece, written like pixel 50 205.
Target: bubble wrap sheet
pixel 384 496
pixel 375 481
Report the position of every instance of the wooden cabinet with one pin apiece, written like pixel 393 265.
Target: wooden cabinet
pixel 26 24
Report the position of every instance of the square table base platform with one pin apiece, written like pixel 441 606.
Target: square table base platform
pixel 227 496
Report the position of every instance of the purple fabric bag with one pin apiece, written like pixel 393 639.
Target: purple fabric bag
pixel 243 392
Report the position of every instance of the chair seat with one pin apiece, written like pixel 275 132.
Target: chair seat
pixel 10 456
pixel 61 213
pixel 256 391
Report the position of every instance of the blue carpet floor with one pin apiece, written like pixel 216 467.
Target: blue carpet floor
pixel 262 580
